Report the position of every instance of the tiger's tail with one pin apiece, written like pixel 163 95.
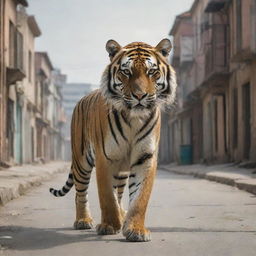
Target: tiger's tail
pixel 66 188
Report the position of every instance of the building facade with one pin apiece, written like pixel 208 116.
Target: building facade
pixel 18 32
pixel 50 116
pixel 215 114
pixel 31 112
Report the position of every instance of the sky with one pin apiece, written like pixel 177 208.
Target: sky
pixel 75 32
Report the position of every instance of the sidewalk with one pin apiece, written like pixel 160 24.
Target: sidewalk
pixel 16 180
pixel 230 174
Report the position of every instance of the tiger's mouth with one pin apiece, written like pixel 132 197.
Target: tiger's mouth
pixel 140 106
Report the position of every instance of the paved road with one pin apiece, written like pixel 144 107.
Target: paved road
pixel 187 216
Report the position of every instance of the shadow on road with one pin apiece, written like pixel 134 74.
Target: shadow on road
pixel 29 238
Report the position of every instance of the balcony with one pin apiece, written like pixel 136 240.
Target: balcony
pixel 14 75
pixel 216 56
pixel 215 5
pixel 244 55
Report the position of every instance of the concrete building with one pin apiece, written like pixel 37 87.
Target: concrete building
pixel 18 32
pixel 29 29
pixel 50 116
pixel 59 115
pixel 72 93
pixel 43 69
pixel 216 87
pixel 242 83
pixel 31 112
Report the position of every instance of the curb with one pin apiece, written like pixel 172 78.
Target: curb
pixel 17 180
pixel 238 180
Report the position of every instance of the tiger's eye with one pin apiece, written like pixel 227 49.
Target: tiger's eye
pixel 126 71
pixel 151 71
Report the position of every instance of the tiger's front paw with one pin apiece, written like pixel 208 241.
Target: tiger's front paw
pixel 86 223
pixel 137 234
pixel 106 229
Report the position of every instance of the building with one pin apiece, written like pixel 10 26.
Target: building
pixel 214 57
pixel 72 93
pixel 31 111
pixel 59 115
pixel 18 32
pixel 242 82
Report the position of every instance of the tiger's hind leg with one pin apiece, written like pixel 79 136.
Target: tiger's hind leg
pixel 82 179
pixel 111 217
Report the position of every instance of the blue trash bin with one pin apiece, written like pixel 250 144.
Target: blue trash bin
pixel 186 154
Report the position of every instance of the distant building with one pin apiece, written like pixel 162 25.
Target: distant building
pixel 72 93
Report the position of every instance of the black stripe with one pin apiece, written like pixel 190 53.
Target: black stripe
pixel 125 118
pixel 143 159
pixel 109 82
pixel 147 122
pixel 81 175
pixel 81 190
pixel 142 50
pixel 69 184
pixel 85 172
pixel 120 177
pixel 134 191
pixel 148 132
pixel 60 193
pixel 70 176
pixel 65 190
pixel 167 89
pixel 90 155
pixel 81 182
pixel 132 54
pixel 133 175
pixel 120 186
pixel 131 185
pixel 138 184
pixel 118 124
pixel 112 130
pixel 103 145
pixel 168 79
pixel 89 162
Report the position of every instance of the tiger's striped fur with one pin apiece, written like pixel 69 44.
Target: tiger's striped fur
pixel 117 129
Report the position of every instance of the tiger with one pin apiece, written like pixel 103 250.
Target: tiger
pixel 116 129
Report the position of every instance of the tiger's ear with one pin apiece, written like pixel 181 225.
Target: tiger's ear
pixel 164 47
pixel 112 48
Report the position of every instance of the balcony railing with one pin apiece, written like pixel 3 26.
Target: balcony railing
pixel 216 57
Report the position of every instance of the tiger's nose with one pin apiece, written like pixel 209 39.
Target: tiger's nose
pixel 139 95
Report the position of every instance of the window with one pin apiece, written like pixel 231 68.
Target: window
pixel 29 66
pixel 15 47
pixel 19 50
pixel 12 45
pixel 215 103
pixel 10 126
pixel 235 117
pixel 239 24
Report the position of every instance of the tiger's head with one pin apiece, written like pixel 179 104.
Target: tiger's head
pixel 139 77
